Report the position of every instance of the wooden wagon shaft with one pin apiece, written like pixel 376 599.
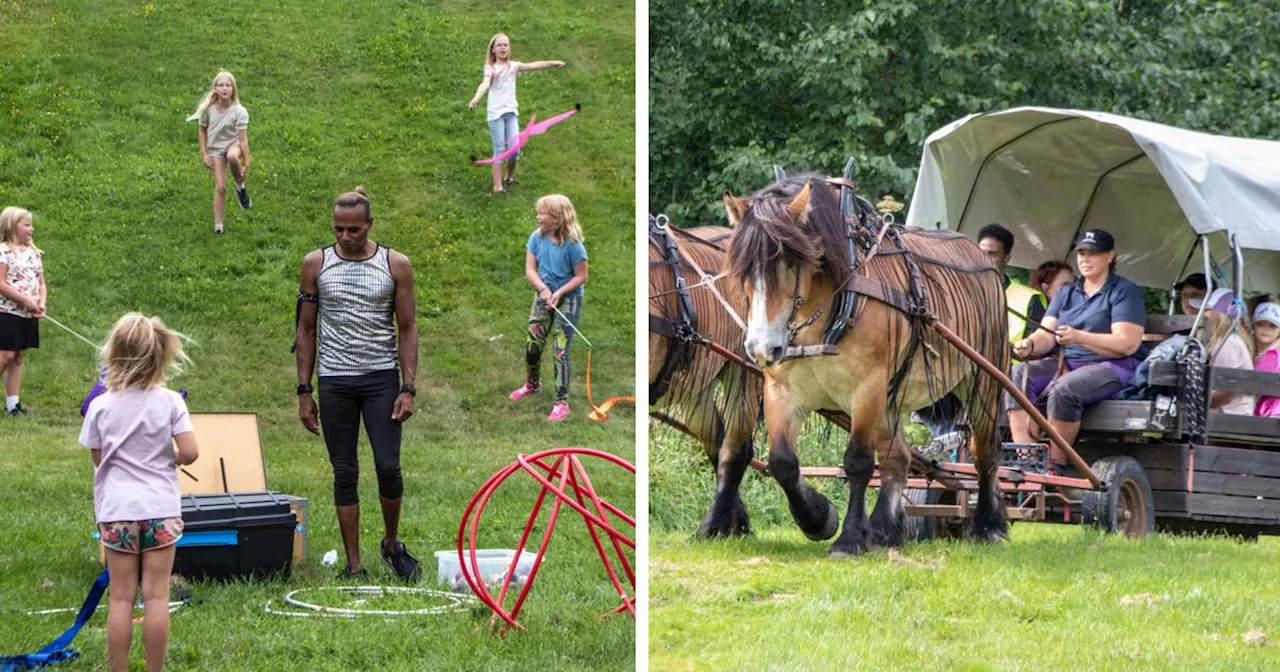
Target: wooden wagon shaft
pixel 1021 398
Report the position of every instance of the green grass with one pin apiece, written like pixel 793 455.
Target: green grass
pixel 1054 598
pixel 92 140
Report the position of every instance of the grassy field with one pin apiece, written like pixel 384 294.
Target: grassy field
pixel 92 140
pixel 1055 598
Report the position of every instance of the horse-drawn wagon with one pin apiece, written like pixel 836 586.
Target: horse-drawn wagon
pixel 1176 201
pixel 905 292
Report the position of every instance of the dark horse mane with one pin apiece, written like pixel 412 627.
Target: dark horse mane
pixel 766 235
pixel 948 267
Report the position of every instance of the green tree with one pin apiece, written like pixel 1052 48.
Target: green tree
pixel 738 86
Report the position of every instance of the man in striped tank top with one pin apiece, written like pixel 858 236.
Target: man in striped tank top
pixel 361 295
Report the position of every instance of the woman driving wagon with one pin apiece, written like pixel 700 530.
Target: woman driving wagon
pixel 1098 321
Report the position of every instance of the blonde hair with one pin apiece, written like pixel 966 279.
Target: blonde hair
pixel 565 227
pixel 141 351
pixel 489 58
pixel 208 98
pixel 1220 329
pixel 10 217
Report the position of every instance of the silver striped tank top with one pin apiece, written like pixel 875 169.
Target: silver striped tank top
pixel 357 314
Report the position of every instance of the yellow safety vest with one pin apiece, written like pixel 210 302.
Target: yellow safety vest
pixel 1017 296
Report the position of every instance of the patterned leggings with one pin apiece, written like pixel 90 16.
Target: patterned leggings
pixel 543 320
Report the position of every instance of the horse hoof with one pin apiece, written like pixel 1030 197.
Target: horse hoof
pixel 887 540
pixel 829 528
pixel 729 530
pixel 992 535
pixel 846 552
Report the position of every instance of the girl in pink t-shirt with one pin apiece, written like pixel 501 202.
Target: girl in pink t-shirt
pixel 131 429
pixel 1266 333
pixel 500 83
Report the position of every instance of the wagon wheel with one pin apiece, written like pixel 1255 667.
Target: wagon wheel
pixel 928 528
pixel 1126 506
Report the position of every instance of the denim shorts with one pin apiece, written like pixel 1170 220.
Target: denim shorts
pixel 502 131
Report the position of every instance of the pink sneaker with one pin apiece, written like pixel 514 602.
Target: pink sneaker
pixel 523 390
pixel 558 411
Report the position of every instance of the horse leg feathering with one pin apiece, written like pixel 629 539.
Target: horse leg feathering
pixel 728 515
pixel 866 420
pixel 812 511
pixel 888 520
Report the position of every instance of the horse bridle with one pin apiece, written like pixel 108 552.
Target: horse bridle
pixel 856 265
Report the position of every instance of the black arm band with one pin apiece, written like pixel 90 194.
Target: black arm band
pixel 303 297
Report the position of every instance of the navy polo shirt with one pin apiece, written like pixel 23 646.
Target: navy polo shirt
pixel 1119 300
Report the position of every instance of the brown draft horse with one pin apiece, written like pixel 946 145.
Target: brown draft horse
pixel 790 253
pixel 703 393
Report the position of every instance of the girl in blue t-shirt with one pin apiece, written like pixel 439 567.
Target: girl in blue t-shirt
pixel 555 263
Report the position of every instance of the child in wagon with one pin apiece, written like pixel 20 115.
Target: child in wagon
pixel 1266 332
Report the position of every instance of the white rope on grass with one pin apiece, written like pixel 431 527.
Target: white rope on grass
pixel 173 606
pixel 455 603
pixel 69 330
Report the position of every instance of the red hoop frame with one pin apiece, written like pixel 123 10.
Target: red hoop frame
pixel 572 476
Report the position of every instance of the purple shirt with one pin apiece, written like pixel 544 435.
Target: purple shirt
pixel 138 477
pixel 1119 300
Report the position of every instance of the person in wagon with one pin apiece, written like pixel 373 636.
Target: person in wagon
pixel 1026 303
pixel 1190 289
pixel 1230 346
pixel 1266 332
pixel 1098 321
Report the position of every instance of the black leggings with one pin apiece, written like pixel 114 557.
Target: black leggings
pixel 343 400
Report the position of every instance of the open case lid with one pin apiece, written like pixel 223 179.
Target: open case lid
pixel 230 442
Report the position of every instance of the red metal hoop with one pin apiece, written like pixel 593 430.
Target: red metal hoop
pixel 574 489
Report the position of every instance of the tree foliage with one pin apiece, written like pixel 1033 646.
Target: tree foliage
pixel 740 85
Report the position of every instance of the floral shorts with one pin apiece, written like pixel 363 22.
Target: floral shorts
pixel 141 536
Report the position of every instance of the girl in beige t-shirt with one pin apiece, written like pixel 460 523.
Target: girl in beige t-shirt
pixel 224 141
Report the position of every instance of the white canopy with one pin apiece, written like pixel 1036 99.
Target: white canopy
pixel 1047 174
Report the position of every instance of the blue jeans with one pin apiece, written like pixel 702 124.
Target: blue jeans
pixel 503 131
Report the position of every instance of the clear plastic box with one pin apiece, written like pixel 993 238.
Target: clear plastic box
pixel 493 566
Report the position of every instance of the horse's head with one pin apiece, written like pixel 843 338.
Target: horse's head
pixel 788 252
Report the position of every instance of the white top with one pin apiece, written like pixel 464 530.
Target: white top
pixel 134 429
pixel 502 89
pixel 357 314
pixel 1234 354
pixel 1048 174
pixel 24 269
pixel 223 126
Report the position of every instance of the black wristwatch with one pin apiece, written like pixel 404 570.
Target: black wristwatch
pixel 305 388
pixel 410 389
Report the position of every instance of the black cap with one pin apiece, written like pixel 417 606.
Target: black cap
pixel 1196 280
pixel 1096 240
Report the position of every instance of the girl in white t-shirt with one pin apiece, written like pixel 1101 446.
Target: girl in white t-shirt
pixel 22 300
pixel 500 83
pixel 224 141
pixel 131 429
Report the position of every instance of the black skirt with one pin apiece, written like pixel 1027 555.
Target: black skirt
pixel 18 333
